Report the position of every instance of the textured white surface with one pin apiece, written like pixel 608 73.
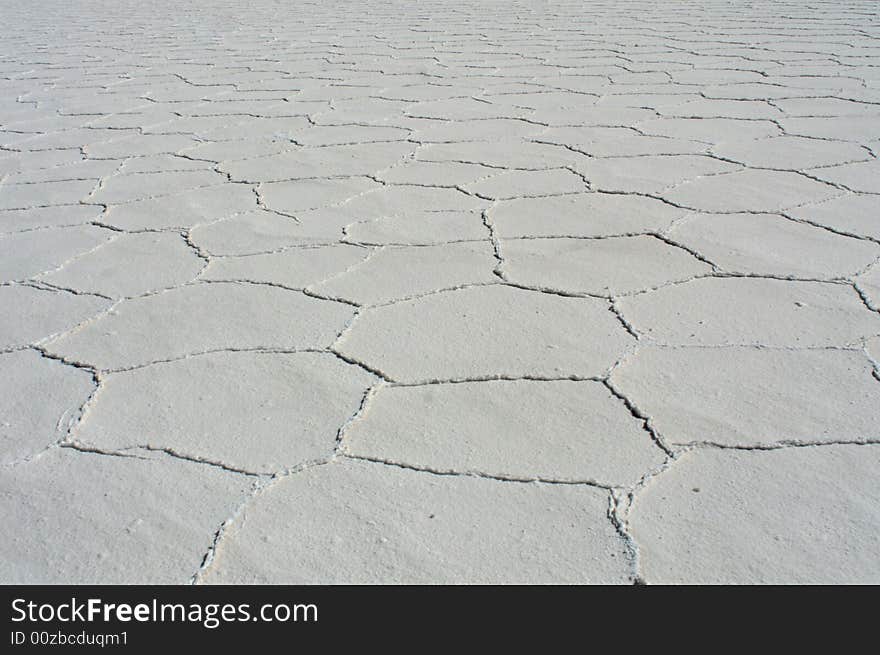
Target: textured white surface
pixel 440 291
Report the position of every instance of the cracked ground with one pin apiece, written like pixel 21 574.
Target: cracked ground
pixel 440 292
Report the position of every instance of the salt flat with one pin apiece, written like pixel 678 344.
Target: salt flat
pixel 440 292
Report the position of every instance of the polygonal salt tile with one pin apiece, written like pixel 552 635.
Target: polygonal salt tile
pixel 130 265
pixel 258 412
pixel 26 254
pixel 650 173
pixel 358 159
pixel 301 195
pixel 251 232
pixel 753 397
pixel 462 109
pixel 204 317
pixel 707 108
pixel 41 399
pixel 710 130
pixel 859 129
pixel 162 164
pixel 436 173
pixel 138 145
pixel 850 214
pixel 445 131
pixel 134 186
pixel 15 220
pixel 281 128
pixel 640 78
pixel 592 116
pixel 234 109
pixel 732 516
pixel 30 315
pixel 714 76
pixel 361 110
pixel 861 176
pixel 394 273
pixel 335 135
pixel 28 196
pixel 828 107
pixel 225 153
pixel 356 522
pixel 791 152
pixel 525 155
pixel 746 311
pixel 182 92
pixel 410 204
pixel 419 228
pixel 813 82
pixel 516 184
pixel 751 91
pixel 183 210
pixel 81 170
pixel 149 122
pixel 560 430
pixel 60 139
pixel 85 519
pixel 772 245
pixel 749 191
pixel 605 267
pixel 581 215
pixel 541 99
pixel 657 98
pixel 619 141
pixel 424 91
pixel 295 268
pixel 581 84
pixel 12 162
pixel 486 332
pixel 403 201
